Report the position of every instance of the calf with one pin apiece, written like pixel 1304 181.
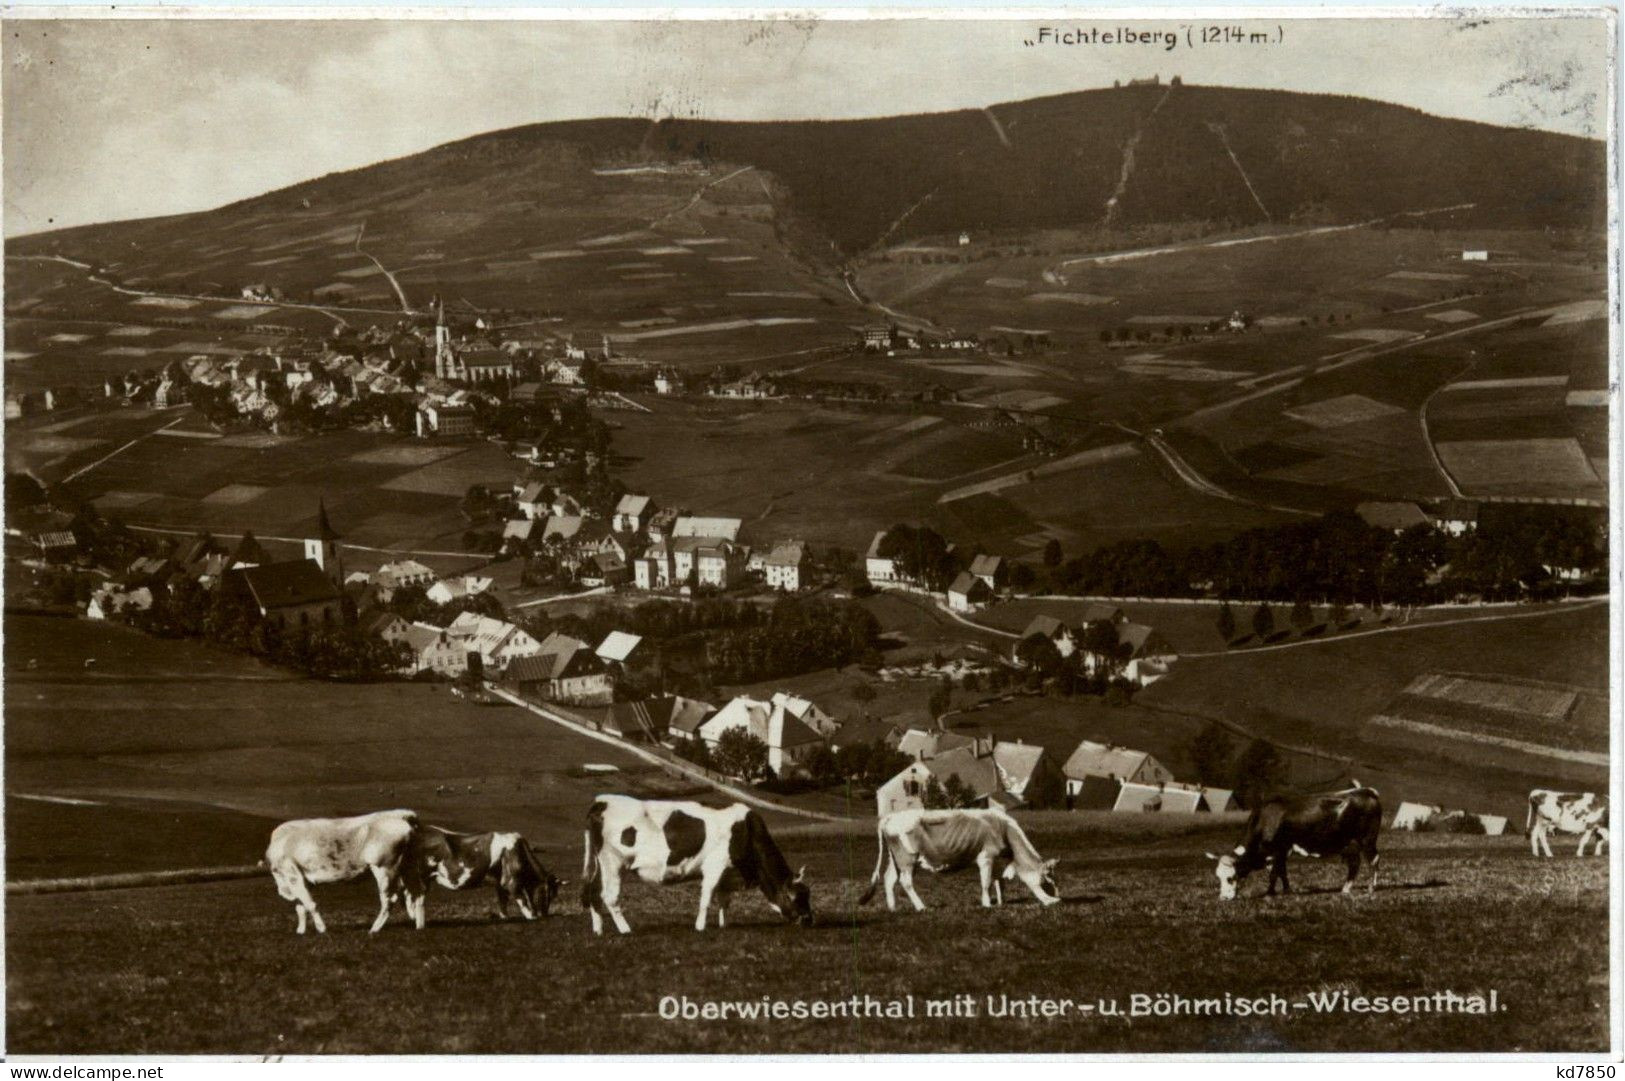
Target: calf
pixel 947 840
pixel 461 861
pixel 665 842
pixel 316 851
pixel 1585 813
pixel 1334 824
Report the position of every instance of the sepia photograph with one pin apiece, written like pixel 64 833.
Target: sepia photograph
pixel 971 532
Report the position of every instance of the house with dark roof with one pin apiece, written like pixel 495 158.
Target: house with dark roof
pixel 632 513
pixel 1053 629
pixel 653 719
pixel 968 593
pixel 864 732
pixel 1095 771
pixel 1396 517
pixel 990 569
pixel 566 670
pixel 292 593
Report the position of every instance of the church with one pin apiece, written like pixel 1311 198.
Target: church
pixel 483 364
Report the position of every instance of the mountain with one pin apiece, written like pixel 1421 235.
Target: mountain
pixel 805 195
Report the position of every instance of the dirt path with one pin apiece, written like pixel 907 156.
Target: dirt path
pixel 82 470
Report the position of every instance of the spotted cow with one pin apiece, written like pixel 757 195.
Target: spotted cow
pixel 463 861
pixel 1342 824
pixel 317 851
pixel 665 842
pixel 1585 813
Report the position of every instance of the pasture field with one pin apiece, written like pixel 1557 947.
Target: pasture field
pixel 380 489
pixel 1324 695
pixel 217 968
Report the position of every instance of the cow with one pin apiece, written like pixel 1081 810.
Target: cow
pixel 949 840
pixel 462 861
pixel 665 842
pixel 1342 824
pixel 1585 813
pixel 317 851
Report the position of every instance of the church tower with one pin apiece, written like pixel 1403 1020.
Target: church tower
pixel 442 341
pixel 323 548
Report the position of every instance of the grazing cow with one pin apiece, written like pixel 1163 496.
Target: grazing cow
pixel 1334 824
pixel 316 851
pixel 666 842
pixel 462 861
pixel 1585 813
pixel 954 839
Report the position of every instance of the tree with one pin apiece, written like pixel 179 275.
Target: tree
pixel 1303 616
pixel 863 692
pixel 1213 751
pixel 1337 614
pixel 740 754
pixel 1263 621
pixel 941 697
pixel 1258 773
pixel 1227 622
pixel 1052 550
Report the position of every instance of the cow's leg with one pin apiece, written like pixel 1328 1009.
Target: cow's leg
pixel 984 868
pixel 1546 840
pixel 1351 859
pixel 890 881
pixel 905 876
pixel 417 905
pixel 708 886
pixel 294 888
pixel 386 884
pixel 609 893
pixel 723 897
pixel 1371 858
pixel 1585 838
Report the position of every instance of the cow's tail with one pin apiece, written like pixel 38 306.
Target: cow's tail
pixel 592 843
pixel 880 865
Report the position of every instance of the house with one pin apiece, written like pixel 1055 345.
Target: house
pixel 447 590
pixel 400 574
pixel 497 642
pixel 434 649
pixel 1454 516
pixel 790 740
pixel 1053 629
pixel 110 600
pixel 618 647
pixel 1099 612
pixel 56 544
pixel 715 565
pixel 1029 773
pixel 534 500
pixel 1478 255
pixel 292 593
pixel 968 593
pixel 881 570
pixel 1164 797
pixel 864 732
pixel 687 715
pixel 1218 800
pixel 518 532
pixel 1104 761
pixel 565 669
pixel 702 550
pixel 990 569
pixel 559 528
pixel 632 513
pixel 651 721
pixel 1396 517
pixel 385 625
pixel 876 337
pixel 1145 654
pixel 603 569
pixel 446 420
pixel 976 772
pixel 249 552
pixel 782 567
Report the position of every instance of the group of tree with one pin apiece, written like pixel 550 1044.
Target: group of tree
pixel 1340 558
pixel 800 635
pixel 863 765
pixel 1254 775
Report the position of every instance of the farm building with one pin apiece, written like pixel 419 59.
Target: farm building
pixel 434 418
pixel 990 569
pixel 1396 517
pixel 565 669
pixel 687 715
pixel 1113 763
pixel 447 590
pixel 976 772
pixel 1053 629
pixel 881 570
pixel 1029 773
pixel 400 574
pixel 618 647
pixel 1166 797
pixel 968 593
pixel 435 650
pixel 110 601
pixel 1475 255
pixel 1408 816
pixel 385 625
pixel 495 641
pixel 783 564
pixel 651 720
pixel 56 544
pixel 790 739
pixel 632 513
pixel 864 732
pixel 1454 516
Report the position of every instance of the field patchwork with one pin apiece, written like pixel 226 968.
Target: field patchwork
pixel 1493 466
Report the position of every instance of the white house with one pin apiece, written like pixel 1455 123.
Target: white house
pixel 782 566
pixel 1475 255
pixel 400 574
pixel 497 642
pixel 435 649
pixel 790 739
pixel 881 570
pixel 632 513
pixel 447 590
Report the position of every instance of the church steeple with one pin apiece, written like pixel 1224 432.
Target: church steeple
pixel 323 548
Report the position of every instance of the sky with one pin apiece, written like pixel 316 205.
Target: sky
pixel 105 119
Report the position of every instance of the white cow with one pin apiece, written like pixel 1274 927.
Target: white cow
pixel 950 839
pixel 316 851
pixel 666 842
pixel 1585 813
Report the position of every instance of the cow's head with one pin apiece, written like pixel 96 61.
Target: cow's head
pixel 524 876
pixel 1229 870
pixel 794 900
pixel 1046 878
